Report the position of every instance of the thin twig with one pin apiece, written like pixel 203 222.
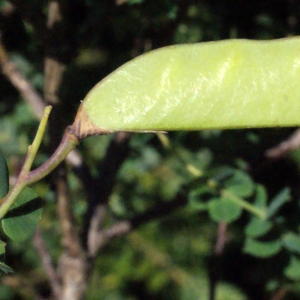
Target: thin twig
pixel 31 96
pixel 100 188
pixel 98 239
pixel 221 238
pixel 54 72
pixel 70 236
pixel 96 224
pixel 126 226
pixel 18 80
pixel 216 260
pixel 73 266
pixel 280 294
pixel 54 14
pixel 47 262
pixel 23 178
pixel 68 143
pixel 291 143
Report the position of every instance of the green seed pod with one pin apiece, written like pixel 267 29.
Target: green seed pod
pixel 223 84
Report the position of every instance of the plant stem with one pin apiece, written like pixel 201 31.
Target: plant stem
pixel 166 143
pixel 25 178
pixel 32 149
pixel 21 183
pixel 68 143
pixel 256 211
pixel 11 197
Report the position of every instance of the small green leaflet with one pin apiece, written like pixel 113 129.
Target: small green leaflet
pixel 257 227
pixel 4 185
pixel 278 201
pixel 291 242
pixel 20 222
pixel 261 249
pixel 292 271
pixel 5 268
pixel 222 209
pixel 2 247
pixel 240 184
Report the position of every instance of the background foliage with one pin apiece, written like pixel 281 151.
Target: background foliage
pixel 183 192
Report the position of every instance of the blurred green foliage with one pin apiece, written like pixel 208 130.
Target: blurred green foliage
pixel 224 173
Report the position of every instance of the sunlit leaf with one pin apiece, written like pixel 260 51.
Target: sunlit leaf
pixel 291 241
pixel 227 291
pixel 292 271
pixel 20 222
pixel 257 227
pixel 240 184
pixel 261 249
pixel 197 86
pixel 260 197
pixel 278 201
pixel 224 210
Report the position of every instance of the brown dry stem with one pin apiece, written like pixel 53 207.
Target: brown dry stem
pixel 291 143
pixel 46 259
pixel 18 80
pixel 84 127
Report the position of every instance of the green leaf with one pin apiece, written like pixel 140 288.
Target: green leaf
pixel 20 222
pixel 4 185
pixel 257 227
pixel 261 197
pixel 261 249
pixel 292 271
pixel 5 268
pixel 198 196
pixel 209 85
pixel 291 241
pixel 2 247
pixel 240 184
pixel 223 174
pixel 224 210
pixel 131 2
pixel 283 197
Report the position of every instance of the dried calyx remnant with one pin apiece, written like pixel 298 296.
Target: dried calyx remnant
pixel 83 127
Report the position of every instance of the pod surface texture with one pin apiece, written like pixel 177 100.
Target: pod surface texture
pixel 223 84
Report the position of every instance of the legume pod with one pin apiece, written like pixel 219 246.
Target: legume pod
pixel 222 84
